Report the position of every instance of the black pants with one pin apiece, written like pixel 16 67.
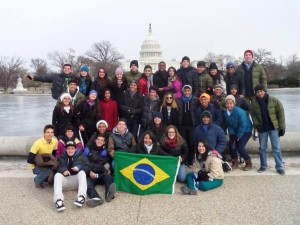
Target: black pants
pixel 102 179
pixel 188 134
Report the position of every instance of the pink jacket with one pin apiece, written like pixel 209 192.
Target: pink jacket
pixel 61 147
pixel 176 86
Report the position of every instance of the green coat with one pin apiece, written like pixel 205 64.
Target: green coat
pixel 258 75
pixel 130 76
pixel 201 82
pixel 275 110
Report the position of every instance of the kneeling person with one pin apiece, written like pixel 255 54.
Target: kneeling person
pixel 71 175
pixel 100 172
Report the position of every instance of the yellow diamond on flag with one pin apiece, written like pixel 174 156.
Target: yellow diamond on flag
pixel 144 174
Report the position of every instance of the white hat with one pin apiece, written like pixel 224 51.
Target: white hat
pixel 231 97
pixel 64 95
pixel 101 121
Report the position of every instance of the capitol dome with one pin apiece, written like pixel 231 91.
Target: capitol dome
pixel 150 53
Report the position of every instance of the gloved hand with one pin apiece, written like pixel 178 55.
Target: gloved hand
pixel 281 132
pixel 86 151
pixel 104 153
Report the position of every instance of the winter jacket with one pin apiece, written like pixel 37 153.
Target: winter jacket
pixel 275 110
pixel 238 122
pixel 175 87
pixel 94 136
pixel 241 102
pixel 61 145
pixel 132 107
pixel 61 119
pixel 120 142
pixel 59 85
pixel 149 107
pixel 98 157
pixel 143 87
pixel 157 131
pixel 141 149
pixel 117 91
pixel 258 77
pixel 160 80
pixel 76 97
pixel 236 79
pixel 201 82
pixel 193 105
pixel 181 150
pixel 219 79
pixel 219 101
pixel 100 85
pixel 66 162
pixel 109 113
pixel 87 116
pixel 216 114
pixel 173 119
pixel 214 135
pixel 130 76
pixel 186 75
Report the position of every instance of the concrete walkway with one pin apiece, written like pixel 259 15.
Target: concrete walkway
pixel 244 198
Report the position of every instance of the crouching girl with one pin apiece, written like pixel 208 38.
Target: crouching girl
pixel 208 172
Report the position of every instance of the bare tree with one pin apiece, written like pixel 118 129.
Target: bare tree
pixel 103 54
pixel 293 67
pixel 58 59
pixel 40 68
pixel 220 59
pixel 10 68
pixel 264 57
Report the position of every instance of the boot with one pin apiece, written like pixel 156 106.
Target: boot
pixel 235 164
pixel 248 165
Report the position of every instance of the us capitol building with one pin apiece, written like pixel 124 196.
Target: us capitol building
pixel 150 54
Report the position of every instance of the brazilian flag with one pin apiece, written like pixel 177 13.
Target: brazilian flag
pixel 145 174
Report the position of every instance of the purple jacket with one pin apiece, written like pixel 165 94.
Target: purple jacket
pixel 176 88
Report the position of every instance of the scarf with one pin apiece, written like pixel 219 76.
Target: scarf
pixel 67 109
pixel 90 103
pixel 186 99
pixel 172 142
pixel 82 87
pixel 205 128
pixel 148 148
pixel 172 79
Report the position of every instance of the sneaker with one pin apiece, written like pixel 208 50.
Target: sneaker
pixel 261 170
pixel 281 172
pixel 93 202
pixel 80 201
pixel 187 191
pixel 111 192
pixel 226 167
pixel 59 205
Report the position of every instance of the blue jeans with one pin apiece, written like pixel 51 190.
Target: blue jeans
pixel 263 147
pixel 181 177
pixel 41 175
pixel 239 146
pixel 102 179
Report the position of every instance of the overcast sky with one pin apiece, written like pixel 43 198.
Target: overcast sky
pixel 33 28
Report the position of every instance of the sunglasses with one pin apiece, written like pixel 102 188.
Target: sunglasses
pixel 169 98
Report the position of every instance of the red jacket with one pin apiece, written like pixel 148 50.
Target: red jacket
pixel 109 113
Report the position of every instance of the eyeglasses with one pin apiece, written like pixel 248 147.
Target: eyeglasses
pixel 230 67
pixel 169 97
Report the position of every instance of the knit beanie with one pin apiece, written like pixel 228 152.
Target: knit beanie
pixel 249 51
pixel 119 70
pixel 213 66
pixel 134 81
pixel 101 121
pixel 157 114
pixel 231 97
pixel 187 86
pixel 93 92
pixel 85 68
pixel 259 88
pixel 65 95
pixel 134 62
pixel 230 64
pixel 201 64
pixel 204 95
pixel 219 86
pixel 185 58
pixel 233 86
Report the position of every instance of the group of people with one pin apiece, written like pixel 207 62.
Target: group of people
pixel 184 113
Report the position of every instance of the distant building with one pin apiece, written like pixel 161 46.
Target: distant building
pixel 151 54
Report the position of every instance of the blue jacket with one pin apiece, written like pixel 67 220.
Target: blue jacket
pixel 214 135
pixel 216 114
pixel 238 122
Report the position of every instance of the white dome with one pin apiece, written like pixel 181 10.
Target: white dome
pixel 150 48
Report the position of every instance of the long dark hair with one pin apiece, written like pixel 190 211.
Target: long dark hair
pixel 207 149
pixel 151 135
